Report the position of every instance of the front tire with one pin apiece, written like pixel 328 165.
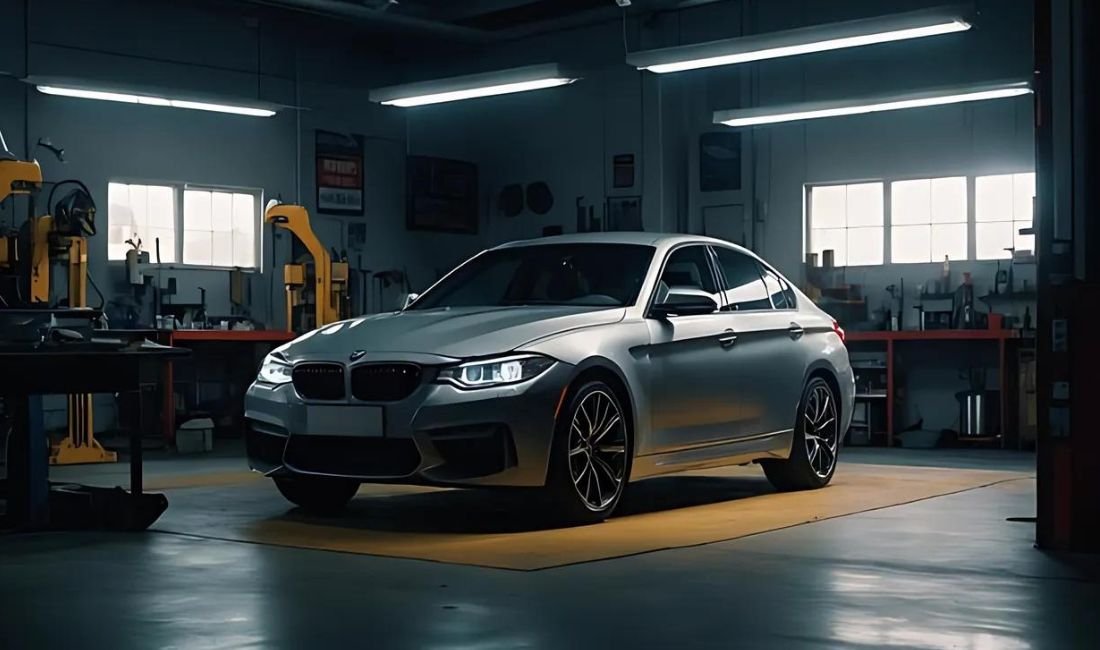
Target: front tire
pixel 816 445
pixel 590 457
pixel 317 495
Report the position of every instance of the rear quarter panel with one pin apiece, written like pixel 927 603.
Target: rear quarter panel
pixel 826 351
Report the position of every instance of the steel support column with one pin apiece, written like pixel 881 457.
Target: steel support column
pixel 1067 84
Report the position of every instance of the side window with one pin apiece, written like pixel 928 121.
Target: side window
pixel 687 270
pixel 745 290
pixel 780 292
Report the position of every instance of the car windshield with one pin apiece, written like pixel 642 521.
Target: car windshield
pixel 598 275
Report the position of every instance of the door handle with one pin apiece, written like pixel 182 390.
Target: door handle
pixel 795 331
pixel 727 339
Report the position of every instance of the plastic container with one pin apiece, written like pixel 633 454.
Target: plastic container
pixel 195 436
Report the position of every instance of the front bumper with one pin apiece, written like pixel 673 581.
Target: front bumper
pixel 439 435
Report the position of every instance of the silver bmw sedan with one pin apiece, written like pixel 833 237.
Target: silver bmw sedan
pixel 575 364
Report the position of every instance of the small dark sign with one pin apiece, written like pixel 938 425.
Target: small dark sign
pixel 623 170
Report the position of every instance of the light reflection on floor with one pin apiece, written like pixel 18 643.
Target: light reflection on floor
pixel 927 627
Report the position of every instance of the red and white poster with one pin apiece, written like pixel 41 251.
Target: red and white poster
pixel 339 173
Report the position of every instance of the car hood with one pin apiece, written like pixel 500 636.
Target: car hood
pixel 451 332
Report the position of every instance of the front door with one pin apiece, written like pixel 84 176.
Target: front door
pixel 689 362
pixel 770 360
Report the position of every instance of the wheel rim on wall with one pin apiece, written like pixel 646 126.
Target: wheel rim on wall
pixel 597 450
pixel 821 430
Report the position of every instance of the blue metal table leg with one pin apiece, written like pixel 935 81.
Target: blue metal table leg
pixel 28 466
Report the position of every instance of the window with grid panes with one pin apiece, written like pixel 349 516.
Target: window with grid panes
pixel 848 219
pixel 1003 204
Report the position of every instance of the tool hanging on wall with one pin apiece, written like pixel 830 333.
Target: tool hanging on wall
pixel 330 279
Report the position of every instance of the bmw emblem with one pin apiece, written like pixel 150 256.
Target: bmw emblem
pixel 357 355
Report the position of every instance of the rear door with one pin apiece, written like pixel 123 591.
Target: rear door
pixel 771 363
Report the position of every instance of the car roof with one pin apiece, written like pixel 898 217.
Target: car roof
pixel 658 240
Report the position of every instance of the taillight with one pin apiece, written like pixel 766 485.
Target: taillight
pixel 839 330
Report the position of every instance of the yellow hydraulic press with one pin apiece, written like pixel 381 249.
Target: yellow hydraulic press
pixel 52 236
pixel 330 279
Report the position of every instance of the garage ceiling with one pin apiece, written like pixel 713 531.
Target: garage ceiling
pixel 473 20
pixel 492 15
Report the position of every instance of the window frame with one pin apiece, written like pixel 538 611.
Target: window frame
pixel 784 285
pixel 757 262
pixel 178 189
pixel 888 220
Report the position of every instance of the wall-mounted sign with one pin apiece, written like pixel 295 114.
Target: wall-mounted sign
pixel 622 168
pixel 339 173
pixel 624 213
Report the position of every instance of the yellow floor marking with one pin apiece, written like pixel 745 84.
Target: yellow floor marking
pixel 501 530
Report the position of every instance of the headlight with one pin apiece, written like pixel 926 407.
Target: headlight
pixel 496 372
pixel 274 371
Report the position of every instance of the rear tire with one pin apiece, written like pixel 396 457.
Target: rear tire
pixel 590 457
pixel 318 494
pixel 816 444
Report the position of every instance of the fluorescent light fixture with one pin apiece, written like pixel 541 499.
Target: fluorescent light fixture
pixel 810 111
pixel 487 84
pixel 804 40
pixel 148 100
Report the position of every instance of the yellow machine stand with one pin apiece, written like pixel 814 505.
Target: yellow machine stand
pixel 80 446
pixel 330 279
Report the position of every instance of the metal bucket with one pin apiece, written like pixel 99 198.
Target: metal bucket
pixel 972 413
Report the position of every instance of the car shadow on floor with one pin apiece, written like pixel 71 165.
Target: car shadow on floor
pixel 513 511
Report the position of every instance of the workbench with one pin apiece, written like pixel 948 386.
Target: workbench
pixel 79 367
pixel 196 340
pixel 892 339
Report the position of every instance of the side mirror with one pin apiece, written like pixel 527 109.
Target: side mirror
pixel 684 305
pixel 410 299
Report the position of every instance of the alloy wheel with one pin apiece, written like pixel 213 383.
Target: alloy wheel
pixel 821 430
pixel 597 450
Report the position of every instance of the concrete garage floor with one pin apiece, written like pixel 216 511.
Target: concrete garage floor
pixel 943 572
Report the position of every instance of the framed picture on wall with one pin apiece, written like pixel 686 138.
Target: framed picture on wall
pixel 441 195
pixel 339 173
pixel 720 161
